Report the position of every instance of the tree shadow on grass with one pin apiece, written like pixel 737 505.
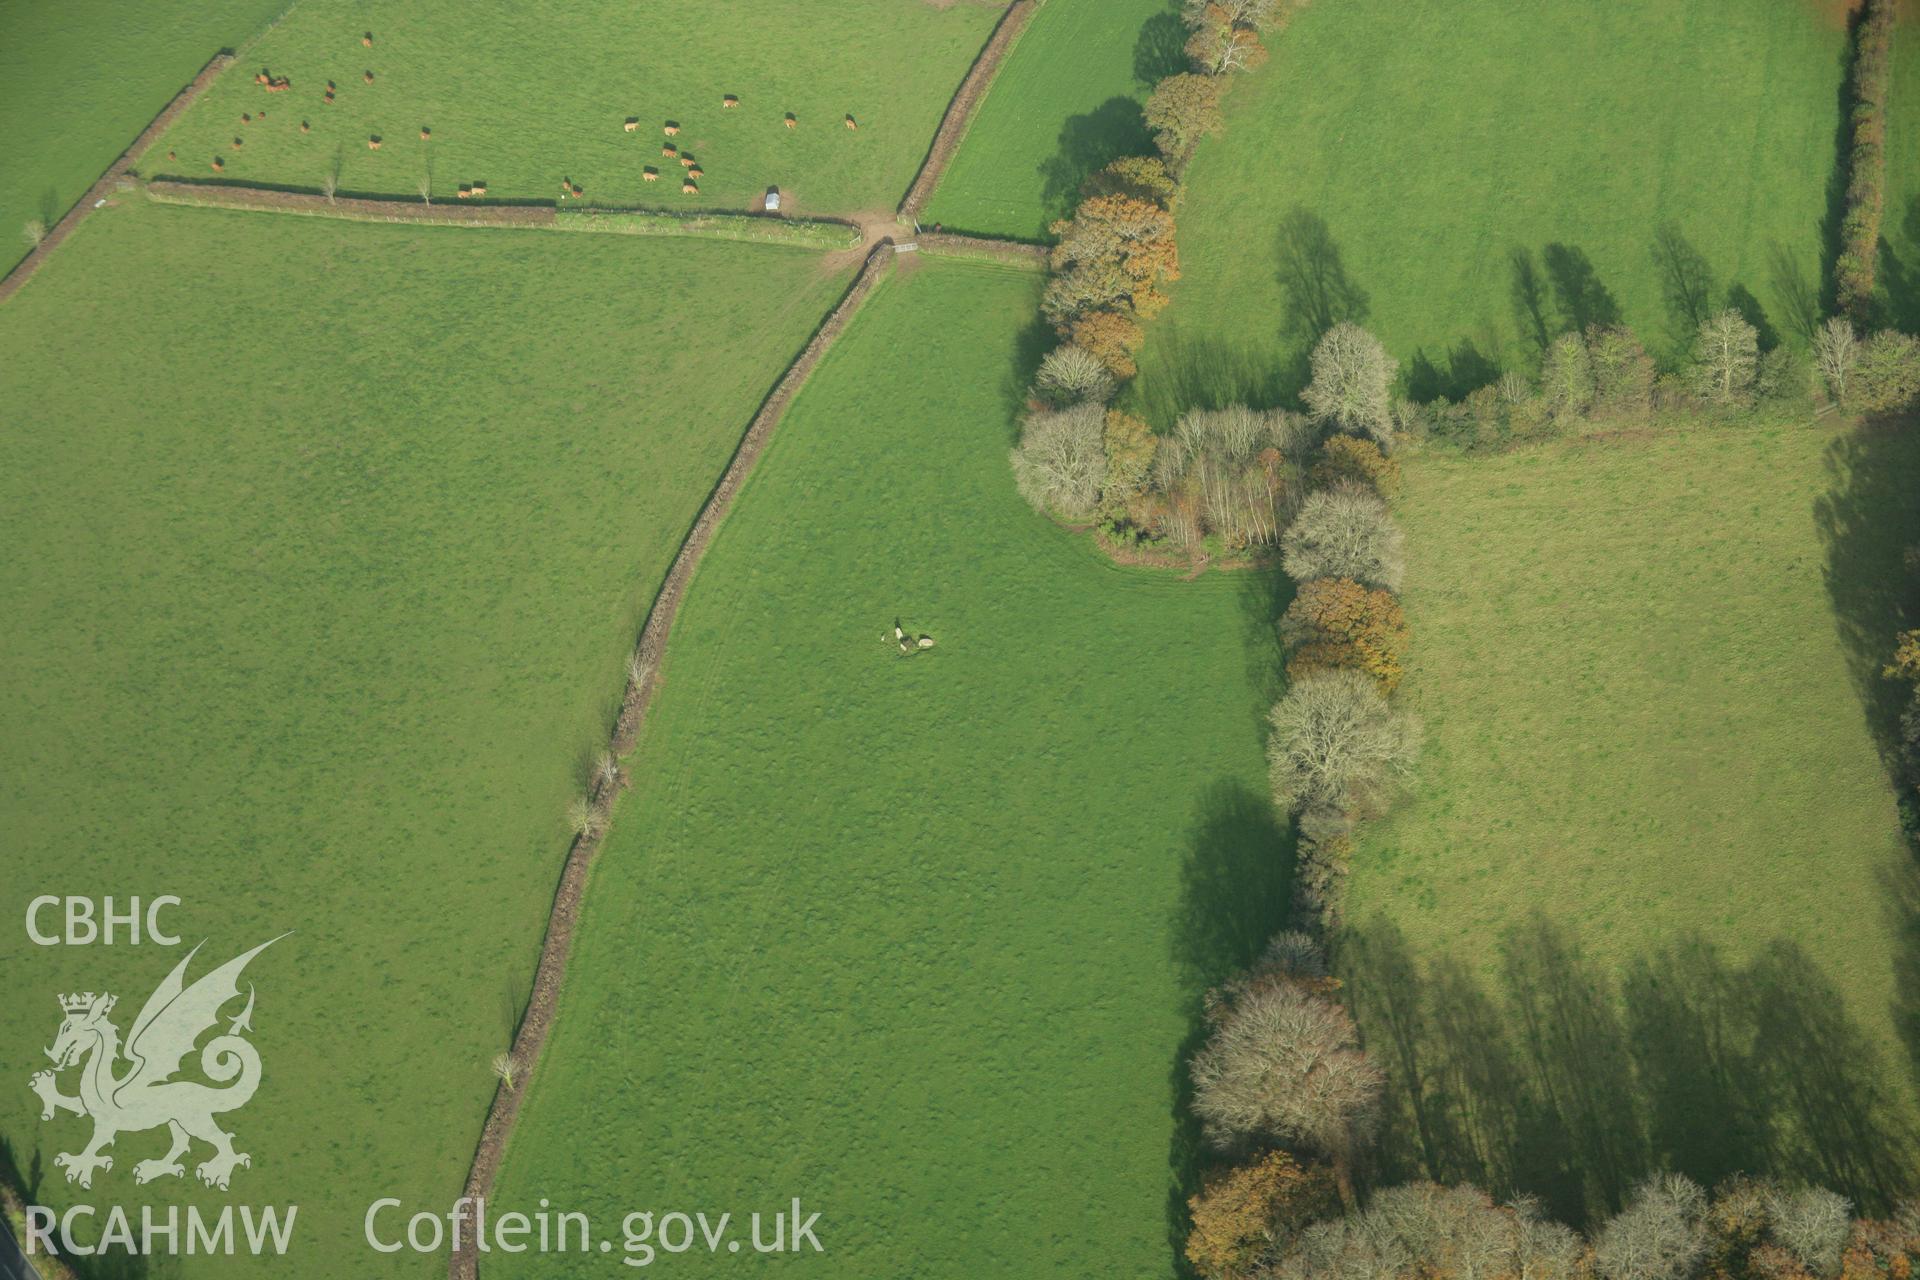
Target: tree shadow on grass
pixel 1466 370
pixel 1867 519
pixel 1190 370
pixel 1030 346
pixel 1897 279
pixel 1160 50
pixel 1558 1079
pixel 1320 293
pixel 1236 885
pixel 1088 143
pixel 1797 296
pixel 114 1265
pixel 1578 294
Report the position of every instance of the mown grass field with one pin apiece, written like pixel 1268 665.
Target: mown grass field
pixel 1065 102
pixel 540 92
pixel 326 544
pixel 918 940
pixel 1390 160
pixel 80 80
pixel 1648 905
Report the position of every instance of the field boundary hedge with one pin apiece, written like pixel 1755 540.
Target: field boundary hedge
pixel 644 679
pixel 810 233
pixel 1866 196
pixel 118 171
pixel 964 104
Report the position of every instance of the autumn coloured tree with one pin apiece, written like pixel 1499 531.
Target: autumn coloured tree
pixel 1356 460
pixel 1245 1217
pixel 1114 253
pixel 1110 337
pixel 1141 177
pixel 1338 624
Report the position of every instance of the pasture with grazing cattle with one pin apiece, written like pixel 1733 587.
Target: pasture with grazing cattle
pixel 1042 829
pixel 541 94
pixel 80 79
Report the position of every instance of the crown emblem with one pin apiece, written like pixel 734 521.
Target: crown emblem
pixel 79 1002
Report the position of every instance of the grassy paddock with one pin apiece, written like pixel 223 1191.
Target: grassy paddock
pixel 1649 905
pixel 1391 159
pixel 370 517
pixel 917 939
pixel 1065 102
pixel 80 79
pixel 538 93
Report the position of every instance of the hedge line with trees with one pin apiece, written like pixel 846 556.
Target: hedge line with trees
pixel 1283 1091
pixel 1605 376
pixel 1866 198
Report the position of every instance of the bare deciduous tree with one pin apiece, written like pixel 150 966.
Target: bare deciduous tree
pixel 1836 350
pixel 1059 462
pixel 1345 532
pixel 507 1067
pixel 329 185
pixel 1352 383
pixel 34 231
pixel 583 819
pixel 1336 741
pixel 1229 471
pixel 1812 1224
pixel 1725 356
pixel 1566 378
pixel 1423 1229
pixel 1072 375
pixel 1284 1064
pixel 1658 1236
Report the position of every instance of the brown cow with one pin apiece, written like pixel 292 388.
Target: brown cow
pixel 237 142
pixel 695 173
pixel 261 78
pixel 851 124
pixel 367 76
pixel 633 122
pixel 304 126
pixel 366 39
pixel 688 189
pixel 218 164
pixel 426 134
pixel 729 100
pixel 649 174
pixel 686 162
pixel 479 188
pixel 792 121
pixel 669 150
pixel 672 128
pixel 373 143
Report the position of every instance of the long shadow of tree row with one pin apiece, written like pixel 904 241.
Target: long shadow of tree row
pixel 1236 886
pixel 1562 1079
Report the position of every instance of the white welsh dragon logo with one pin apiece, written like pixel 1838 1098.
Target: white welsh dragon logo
pixel 145 1096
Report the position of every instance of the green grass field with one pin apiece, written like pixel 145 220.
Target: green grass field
pixel 1390 160
pixel 539 93
pixel 326 544
pixel 917 940
pixel 80 80
pixel 1065 102
pixel 1649 770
